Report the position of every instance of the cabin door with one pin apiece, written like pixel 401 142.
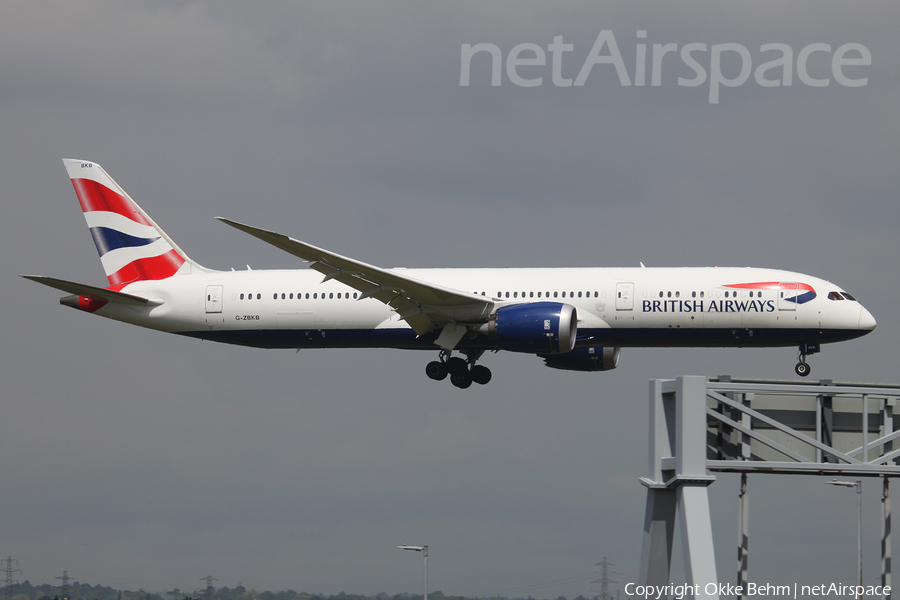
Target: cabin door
pixel 213 299
pixel 624 296
pixel 787 295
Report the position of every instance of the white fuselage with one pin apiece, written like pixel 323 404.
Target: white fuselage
pixel 615 307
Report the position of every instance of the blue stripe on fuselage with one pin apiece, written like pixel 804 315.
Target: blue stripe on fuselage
pixel 632 337
pixel 802 298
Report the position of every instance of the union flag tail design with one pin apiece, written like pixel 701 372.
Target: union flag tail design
pixel 132 247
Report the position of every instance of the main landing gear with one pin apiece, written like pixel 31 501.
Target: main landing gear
pixel 463 371
pixel 802 369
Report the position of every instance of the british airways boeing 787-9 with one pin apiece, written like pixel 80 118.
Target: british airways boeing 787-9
pixel 574 318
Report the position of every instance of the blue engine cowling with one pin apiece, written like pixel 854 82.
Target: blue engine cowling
pixel 584 359
pixel 536 327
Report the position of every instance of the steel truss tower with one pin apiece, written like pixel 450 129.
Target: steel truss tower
pixel 12 566
pixel 700 425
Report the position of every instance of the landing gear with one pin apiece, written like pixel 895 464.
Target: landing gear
pixel 463 372
pixel 802 368
pixel 436 370
pixel 456 365
pixel 480 374
pixel 461 379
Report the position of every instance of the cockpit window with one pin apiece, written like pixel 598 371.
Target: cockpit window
pixel 834 296
pixel 848 296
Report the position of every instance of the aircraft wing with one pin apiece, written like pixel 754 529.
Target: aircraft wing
pixel 81 289
pixel 424 306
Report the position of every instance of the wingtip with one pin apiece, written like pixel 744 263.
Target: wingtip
pixel 231 222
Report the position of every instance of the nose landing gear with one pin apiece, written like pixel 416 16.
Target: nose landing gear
pixel 463 372
pixel 802 368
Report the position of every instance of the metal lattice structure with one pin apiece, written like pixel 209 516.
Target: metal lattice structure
pixel 210 591
pixel 12 566
pixel 699 426
pixel 65 585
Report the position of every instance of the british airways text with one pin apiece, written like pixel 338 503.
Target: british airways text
pixel 729 306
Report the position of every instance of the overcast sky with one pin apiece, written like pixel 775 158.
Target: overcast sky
pixel 138 459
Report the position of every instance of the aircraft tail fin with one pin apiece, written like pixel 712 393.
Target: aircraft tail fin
pixel 132 246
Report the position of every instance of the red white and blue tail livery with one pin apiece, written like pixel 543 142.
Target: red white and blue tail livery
pixel 576 319
pixel 131 246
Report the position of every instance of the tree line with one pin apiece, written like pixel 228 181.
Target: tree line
pixel 85 591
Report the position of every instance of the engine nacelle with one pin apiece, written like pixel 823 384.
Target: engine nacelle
pixel 535 327
pixel 584 359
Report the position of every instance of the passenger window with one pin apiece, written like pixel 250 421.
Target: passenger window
pixel 315 296
pixel 702 294
pixel 660 294
pixel 242 296
pixel 579 294
pixel 339 295
pixel 678 294
pixel 668 294
pixel 726 294
pixel 539 294
pixel 507 294
pixel 515 294
pixel 564 295
pixel 307 295
pixel 259 296
pixel 555 294
pixel 331 296
pixel 531 294
pixel 282 295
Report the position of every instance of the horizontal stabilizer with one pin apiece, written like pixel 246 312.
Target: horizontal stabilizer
pixel 92 291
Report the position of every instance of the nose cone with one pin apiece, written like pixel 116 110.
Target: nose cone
pixel 866 321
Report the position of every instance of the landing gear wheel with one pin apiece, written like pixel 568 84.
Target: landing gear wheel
pixel 802 369
pixel 480 374
pixel 436 370
pixel 461 379
pixel 457 365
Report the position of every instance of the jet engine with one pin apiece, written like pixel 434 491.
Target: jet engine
pixel 536 327
pixel 584 359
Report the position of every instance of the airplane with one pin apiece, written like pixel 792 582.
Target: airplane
pixel 575 319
